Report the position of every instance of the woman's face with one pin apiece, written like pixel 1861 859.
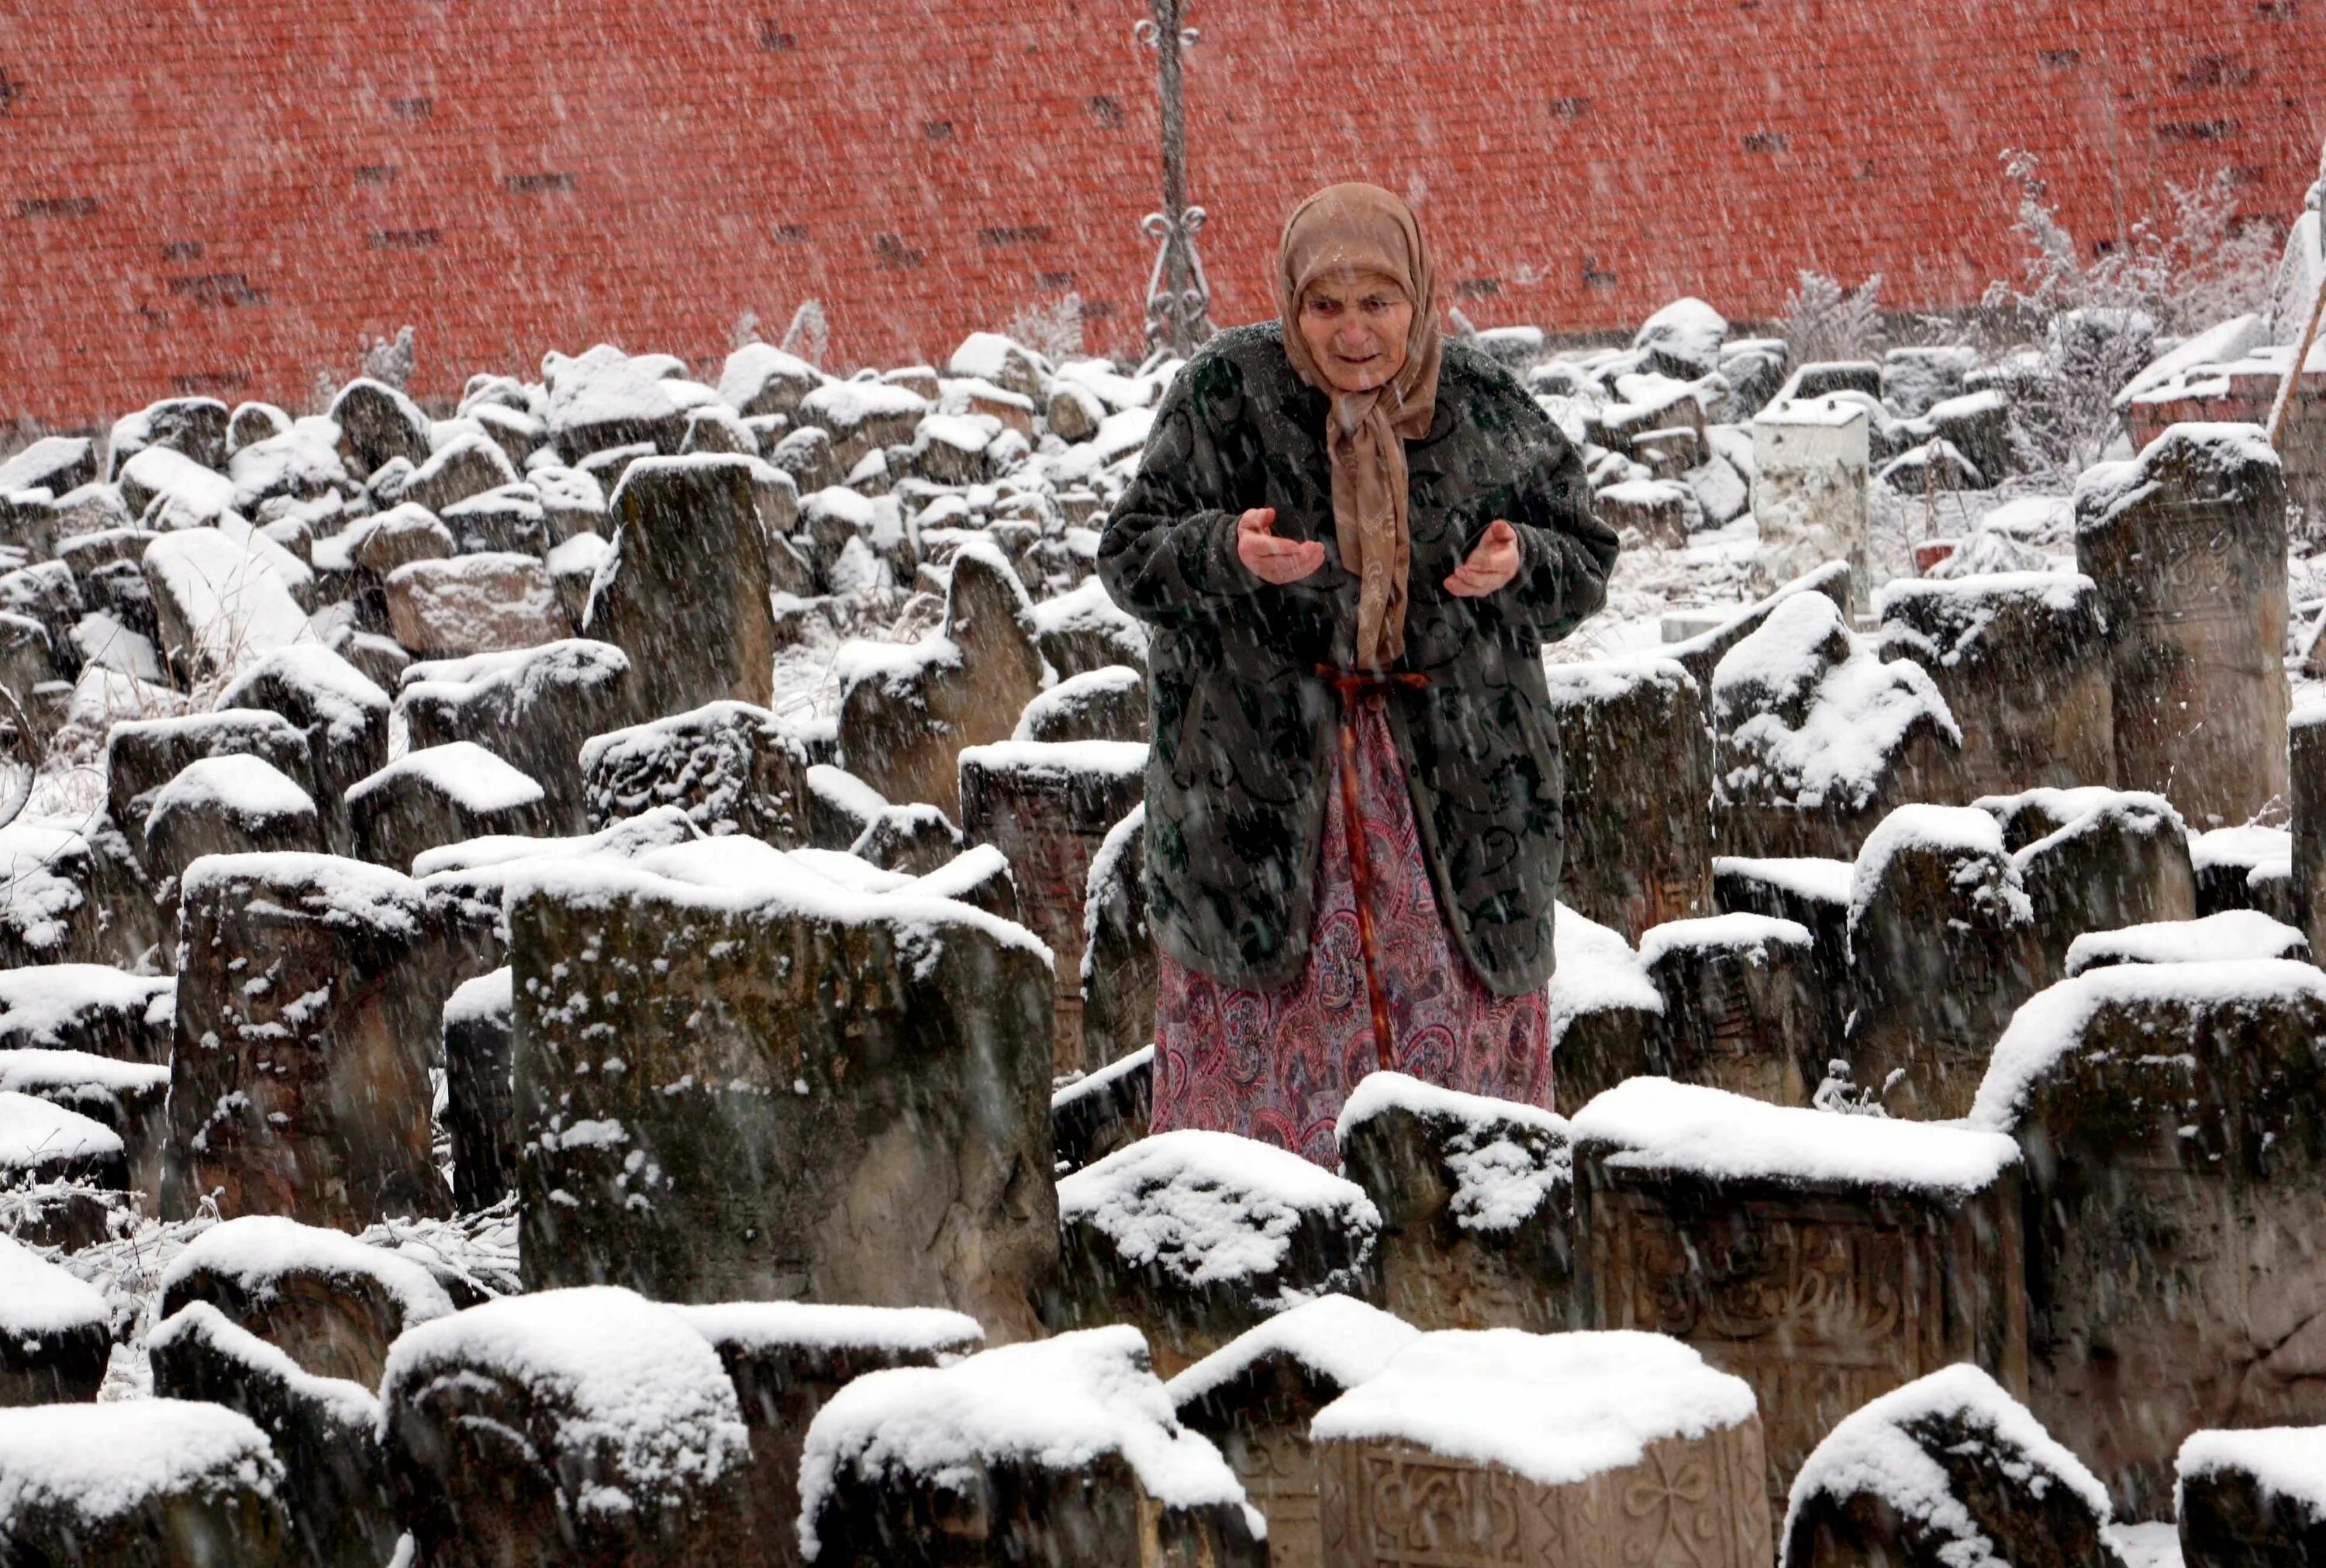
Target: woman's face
pixel 1356 327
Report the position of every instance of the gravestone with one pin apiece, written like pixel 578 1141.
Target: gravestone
pixel 480 1109
pixel 87 1008
pixel 1637 748
pixel 1810 456
pixel 439 795
pixel 343 711
pixel 1097 1113
pixel 493 603
pixel 534 707
pixel 2306 777
pixel 732 767
pixel 1742 1008
pixel 2095 860
pixel 1118 968
pixel 2187 543
pixel 141 1483
pixel 56 1334
pixel 2252 1499
pixel 142 755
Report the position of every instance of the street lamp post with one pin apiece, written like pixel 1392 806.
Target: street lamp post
pixel 1178 297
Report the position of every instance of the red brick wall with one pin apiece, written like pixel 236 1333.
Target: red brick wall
pixel 225 197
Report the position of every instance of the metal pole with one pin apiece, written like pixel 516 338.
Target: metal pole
pixel 1178 297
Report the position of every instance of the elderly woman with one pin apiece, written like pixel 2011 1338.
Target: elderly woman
pixel 1351 538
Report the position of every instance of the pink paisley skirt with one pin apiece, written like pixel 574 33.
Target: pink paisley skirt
pixel 1277 1065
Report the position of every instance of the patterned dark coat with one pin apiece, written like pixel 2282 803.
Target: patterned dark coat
pixel 1245 729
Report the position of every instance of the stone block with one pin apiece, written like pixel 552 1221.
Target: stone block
pixel 335 1488
pixel 129 1098
pixel 2306 867
pixel 1742 1007
pixel 1196 1237
pixel 2187 543
pixel 1081 630
pixel 90 1007
pixel 1475 1202
pixel 195 426
pixel 1826 1259
pixel 2095 860
pixel 474 604
pixel 732 767
pixel 786 1361
pixel 442 795
pixel 1605 1011
pixel 1120 972
pixel 1943 946
pixel 931 1467
pixel 480 1090
pixel 73 895
pixel 1048 806
pixel 2022 662
pixel 377 423
pixel 2174 1158
pixel 915 841
pixel 1100 1112
pixel 1255 1396
pixel 227 805
pixel 816 1092
pixel 42 1141
pixel 1104 704
pixel 142 755
pixel 684 591
pixel 2246 868
pixel 1948 1469
pixel 584 1428
pixel 1475 1449
pixel 2252 1499
pixel 2233 933
pixel 536 708
pixel 343 711
pixel 56 1333
pixel 1812 454
pixel 307 1096
pixel 1637 748
pixel 141 1483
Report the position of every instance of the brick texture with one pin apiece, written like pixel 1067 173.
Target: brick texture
pixel 225 197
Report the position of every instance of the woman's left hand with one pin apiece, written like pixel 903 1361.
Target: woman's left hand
pixel 1491 565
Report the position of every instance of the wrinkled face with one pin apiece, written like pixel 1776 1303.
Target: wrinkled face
pixel 1356 327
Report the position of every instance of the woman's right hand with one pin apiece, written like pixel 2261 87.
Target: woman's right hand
pixel 1268 558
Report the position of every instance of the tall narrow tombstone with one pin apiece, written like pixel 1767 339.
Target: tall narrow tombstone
pixel 1742 1006
pixel 2168 1113
pixel 1637 747
pixel 1256 1394
pixel 1810 463
pixel 737 1081
pixel 2187 543
pixel 1470 1450
pixel 1119 966
pixel 2306 766
pixel 1824 1258
pixel 306 1095
pixel 1476 1199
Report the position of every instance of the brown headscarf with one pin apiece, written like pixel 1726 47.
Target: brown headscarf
pixel 1363 229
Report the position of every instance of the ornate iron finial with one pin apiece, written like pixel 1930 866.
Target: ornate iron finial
pixel 1178 296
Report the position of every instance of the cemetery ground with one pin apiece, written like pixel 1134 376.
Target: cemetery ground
pixel 573 989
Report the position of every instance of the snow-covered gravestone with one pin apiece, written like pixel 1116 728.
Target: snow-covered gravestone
pixel 87 1008
pixel 226 805
pixel 1119 966
pixel 70 893
pixel 1638 798
pixel 585 1426
pixel 1943 947
pixel 344 714
pixel 1108 703
pixel 1826 1259
pixel 533 707
pixel 2231 933
pixel 1471 1450
pixel 1809 471
pixel 1065 1450
pixel 732 767
pixel 1197 1236
pixel 906 712
pixel 2095 860
pixel 222 601
pixel 1255 1396
pixel 2168 1112
pixel 142 1483
pixel 1475 1199
pixel 142 755
pixel 684 589
pixel 1947 1470
pixel 1048 806
pixel 306 1094
pixel 1100 1112
pixel 2253 1500
pixel 42 1141
pixel 335 1488
pixel 1817 736
pixel 737 1079
pixel 56 1336
pixel 479 1105
pixel 1742 1009
pixel 1605 1014
pixel 439 795
pixel 786 1361
pixel 2021 661
pixel 127 1098
pixel 2187 543
pixel 474 604
pixel 2305 735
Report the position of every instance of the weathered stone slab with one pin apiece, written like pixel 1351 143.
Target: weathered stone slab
pixel 92 1007
pixel 786 1361
pixel 377 423
pixel 2233 933
pixel 819 1093
pixel 2252 1499
pixel 195 426
pixel 343 711
pixel 480 1091
pixel 1742 1006
pixel 229 805
pixel 1048 806
pixel 442 795
pixel 906 712
pixel 534 707
pixel 1826 1259
pixel 42 1141
pixel 1093 1115
pixel 1081 630
pixel 308 1096
pixel 1475 1449
pixel 72 895
pixel 1605 1012
pixel 1196 1237
pixel 1637 748
pixel 1943 947
pixel 1118 968
pixel 140 1483
pixel 1948 1469
pixel 2022 662
pixel 2187 543
pixel 2306 771
pixel 1255 1396
pixel 2095 860
pixel 2167 1112
pixel 56 1333
pixel 1476 1203
pixel 1103 704
pixel 335 1488
pixel 586 1427
pixel 142 755
pixel 2244 868
pixel 491 603
pixel 931 1467
pixel 129 1098
pixel 732 767
pixel 684 589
